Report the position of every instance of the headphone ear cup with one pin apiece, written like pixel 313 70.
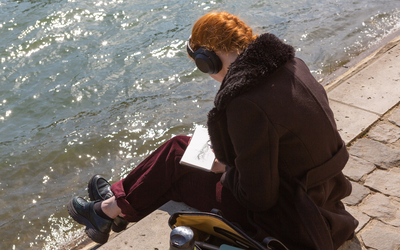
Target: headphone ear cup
pixel 207 61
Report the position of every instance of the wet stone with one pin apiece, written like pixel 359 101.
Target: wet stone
pixel 386 133
pixel 356 168
pixel 383 208
pixel 360 216
pixel 376 152
pixel 382 237
pixel 358 193
pixel 395 117
pixel 387 182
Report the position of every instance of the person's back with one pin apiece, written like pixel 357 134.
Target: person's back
pixel 280 127
pixel 297 106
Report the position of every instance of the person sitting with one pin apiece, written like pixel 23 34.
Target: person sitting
pixel 274 135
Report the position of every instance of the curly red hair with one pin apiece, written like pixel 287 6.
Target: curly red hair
pixel 221 32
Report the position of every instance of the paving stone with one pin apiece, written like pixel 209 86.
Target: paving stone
pixel 351 121
pixel 353 244
pixel 358 193
pixel 360 216
pixel 382 237
pixel 383 208
pixel 376 152
pixel 395 117
pixel 387 182
pixel 356 168
pixel 386 133
pixel 376 88
pixel 152 232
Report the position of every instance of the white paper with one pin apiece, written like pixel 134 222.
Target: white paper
pixel 199 153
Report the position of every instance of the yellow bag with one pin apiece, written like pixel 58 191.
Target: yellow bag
pixel 213 224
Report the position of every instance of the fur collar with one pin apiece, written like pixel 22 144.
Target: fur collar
pixel 261 58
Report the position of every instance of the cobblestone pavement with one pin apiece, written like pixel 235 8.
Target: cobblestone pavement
pixel 373 169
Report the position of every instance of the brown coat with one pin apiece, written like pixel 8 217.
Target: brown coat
pixel 273 128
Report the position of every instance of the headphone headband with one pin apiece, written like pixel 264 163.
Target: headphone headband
pixel 206 60
pixel 189 49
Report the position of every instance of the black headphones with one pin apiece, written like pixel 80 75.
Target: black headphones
pixel 206 60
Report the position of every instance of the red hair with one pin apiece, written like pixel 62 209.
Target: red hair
pixel 221 31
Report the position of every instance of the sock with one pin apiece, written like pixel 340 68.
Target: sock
pixel 99 211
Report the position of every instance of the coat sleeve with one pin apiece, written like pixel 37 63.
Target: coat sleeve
pixel 254 180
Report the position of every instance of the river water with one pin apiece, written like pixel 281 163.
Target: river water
pixel 92 87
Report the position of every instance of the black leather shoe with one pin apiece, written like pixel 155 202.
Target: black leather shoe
pixel 100 189
pixel 82 211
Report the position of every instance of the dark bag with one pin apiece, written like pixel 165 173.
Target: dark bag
pixel 214 225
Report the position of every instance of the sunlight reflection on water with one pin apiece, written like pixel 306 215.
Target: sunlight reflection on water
pixel 94 87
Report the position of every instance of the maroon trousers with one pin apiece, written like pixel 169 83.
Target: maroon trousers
pixel 160 178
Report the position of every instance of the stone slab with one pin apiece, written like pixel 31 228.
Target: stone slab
pixel 362 218
pixel 376 88
pixel 386 133
pixel 381 237
pixel 358 193
pixel 353 244
pixel 151 233
pixel 386 182
pixel 394 118
pixel 356 168
pixel 351 121
pixel 383 208
pixel 376 152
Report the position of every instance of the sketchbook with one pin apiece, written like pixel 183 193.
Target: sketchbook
pixel 199 153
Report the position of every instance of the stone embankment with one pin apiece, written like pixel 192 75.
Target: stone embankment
pixel 370 125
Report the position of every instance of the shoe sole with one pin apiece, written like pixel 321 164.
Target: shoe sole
pixel 90 230
pixel 90 191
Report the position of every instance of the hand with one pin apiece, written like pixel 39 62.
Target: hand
pixel 218 167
